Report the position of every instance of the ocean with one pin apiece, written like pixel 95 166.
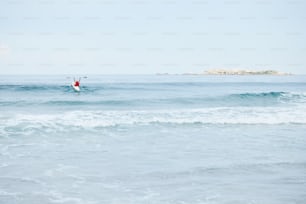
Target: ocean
pixel 158 139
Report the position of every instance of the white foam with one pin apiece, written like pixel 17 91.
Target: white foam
pixel 93 119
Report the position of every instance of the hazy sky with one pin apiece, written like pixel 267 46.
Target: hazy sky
pixel 150 36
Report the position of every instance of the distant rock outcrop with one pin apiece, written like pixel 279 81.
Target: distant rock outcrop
pixel 240 72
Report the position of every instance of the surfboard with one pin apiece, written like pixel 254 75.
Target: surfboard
pixel 75 88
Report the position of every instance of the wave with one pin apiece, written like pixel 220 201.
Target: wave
pixel 231 100
pixel 261 95
pixel 30 87
pixel 281 95
pixel 266 97
pixel 100 119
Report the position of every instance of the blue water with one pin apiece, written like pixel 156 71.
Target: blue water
pixel 153 139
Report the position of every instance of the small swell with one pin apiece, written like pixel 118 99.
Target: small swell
pixel 259 95
pixel 265 99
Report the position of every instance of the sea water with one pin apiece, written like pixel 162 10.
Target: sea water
pixel 153 139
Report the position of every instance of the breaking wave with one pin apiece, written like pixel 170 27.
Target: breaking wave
pixel 99 119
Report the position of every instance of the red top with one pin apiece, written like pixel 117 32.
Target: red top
pixel 76 83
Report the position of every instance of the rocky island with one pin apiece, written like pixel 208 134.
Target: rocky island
pixel 239 72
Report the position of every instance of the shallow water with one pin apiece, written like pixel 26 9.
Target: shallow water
pixel 153 139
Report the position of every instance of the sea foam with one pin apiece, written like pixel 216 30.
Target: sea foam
pixel 94 119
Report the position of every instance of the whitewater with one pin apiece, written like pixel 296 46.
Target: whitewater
pixel 153 139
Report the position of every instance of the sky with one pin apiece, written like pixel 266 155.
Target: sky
pixel 151 36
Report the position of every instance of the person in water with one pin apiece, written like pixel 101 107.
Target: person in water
pixel 77 82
